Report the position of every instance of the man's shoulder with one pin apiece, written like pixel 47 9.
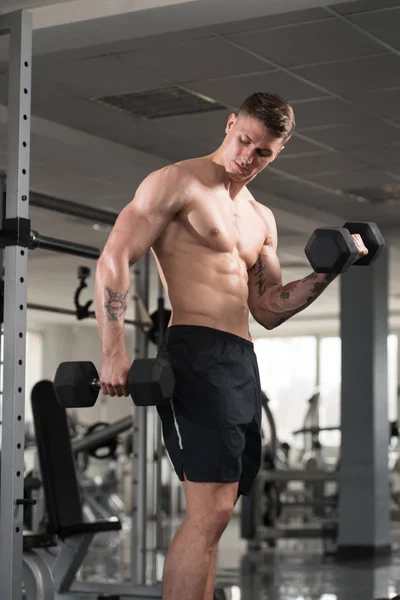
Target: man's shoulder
pixel 175 173
pixel 169 180
pixel 265 212
pixel 194 168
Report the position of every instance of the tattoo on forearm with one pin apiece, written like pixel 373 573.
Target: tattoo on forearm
pixel 284 291
pixel 317 288
pixel 258 270
pixel 115 303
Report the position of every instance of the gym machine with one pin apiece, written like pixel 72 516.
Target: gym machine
pixel 261 512
pixel 17 239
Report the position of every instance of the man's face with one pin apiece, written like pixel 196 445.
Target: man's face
pixel 248 147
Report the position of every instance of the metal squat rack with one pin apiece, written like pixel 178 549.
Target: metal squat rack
pixel 16 240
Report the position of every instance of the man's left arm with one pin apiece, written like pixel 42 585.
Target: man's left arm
pixel 270 302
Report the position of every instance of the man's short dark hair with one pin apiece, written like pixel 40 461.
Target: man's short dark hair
pixel 275 113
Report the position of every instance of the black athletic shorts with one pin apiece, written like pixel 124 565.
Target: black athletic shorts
pixel 212 426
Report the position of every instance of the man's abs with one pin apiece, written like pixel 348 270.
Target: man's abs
pixel 206 286
pixel 210 291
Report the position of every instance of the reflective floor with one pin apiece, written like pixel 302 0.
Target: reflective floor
pixel 299 571
pixel 294 570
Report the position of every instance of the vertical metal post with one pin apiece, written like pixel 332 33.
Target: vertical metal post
pixel 2 208
pixel 158 434
pixel 139 461
pixel 19 27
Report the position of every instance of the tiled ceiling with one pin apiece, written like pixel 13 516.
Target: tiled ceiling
pixel 338 65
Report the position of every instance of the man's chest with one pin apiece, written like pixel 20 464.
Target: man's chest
pixel 226 225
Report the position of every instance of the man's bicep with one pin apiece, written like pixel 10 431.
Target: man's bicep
pixel 264 276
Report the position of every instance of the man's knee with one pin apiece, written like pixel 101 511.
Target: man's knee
pixel 215 521
pixel 211 505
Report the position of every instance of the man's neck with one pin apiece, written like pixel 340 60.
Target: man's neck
pixel 233 187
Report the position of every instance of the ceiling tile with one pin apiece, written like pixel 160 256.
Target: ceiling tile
pixel 209 126
pixel 326 111
pixel 309 43
pixel 359 134
pixel 297 145
pixel 359 6
pixel 174 38
pixel 305 192
pixel 118 127
pixel 383 102
pixel 172 147
pixel 393 169
pixel 99 76
pixel 151 137
pixel 297 16
pixel 50 102
pixel 123 46
pixel 320 163
pixel 353 179
pixel 232 91
pixel 345 206
pixel 355 75
pixel 266 177
pixel 382 156
pixel 213 57
pixel 384 25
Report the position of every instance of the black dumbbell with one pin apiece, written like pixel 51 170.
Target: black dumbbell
pixel 333 250
pixel 150 382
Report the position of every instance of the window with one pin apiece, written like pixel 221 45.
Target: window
pixel 288 373
pixel 288 377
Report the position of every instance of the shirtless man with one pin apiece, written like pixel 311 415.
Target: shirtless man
pixel 215 247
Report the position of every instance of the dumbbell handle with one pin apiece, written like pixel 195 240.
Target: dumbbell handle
pixel 95 383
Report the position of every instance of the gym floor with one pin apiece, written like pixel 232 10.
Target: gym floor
pixel 295 570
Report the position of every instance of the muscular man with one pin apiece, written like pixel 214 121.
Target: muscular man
pixel 215 248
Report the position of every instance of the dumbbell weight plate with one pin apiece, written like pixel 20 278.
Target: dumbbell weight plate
pixel 331 250
pixel 73 384
pixel 151 382
pixel 372 238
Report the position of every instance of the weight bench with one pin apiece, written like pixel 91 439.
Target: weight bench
pixel 61 491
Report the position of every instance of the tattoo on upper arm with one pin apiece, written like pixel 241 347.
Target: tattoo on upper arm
pixel 115 303
pixel 258 271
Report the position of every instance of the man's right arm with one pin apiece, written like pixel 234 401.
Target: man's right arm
pixel 157 200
